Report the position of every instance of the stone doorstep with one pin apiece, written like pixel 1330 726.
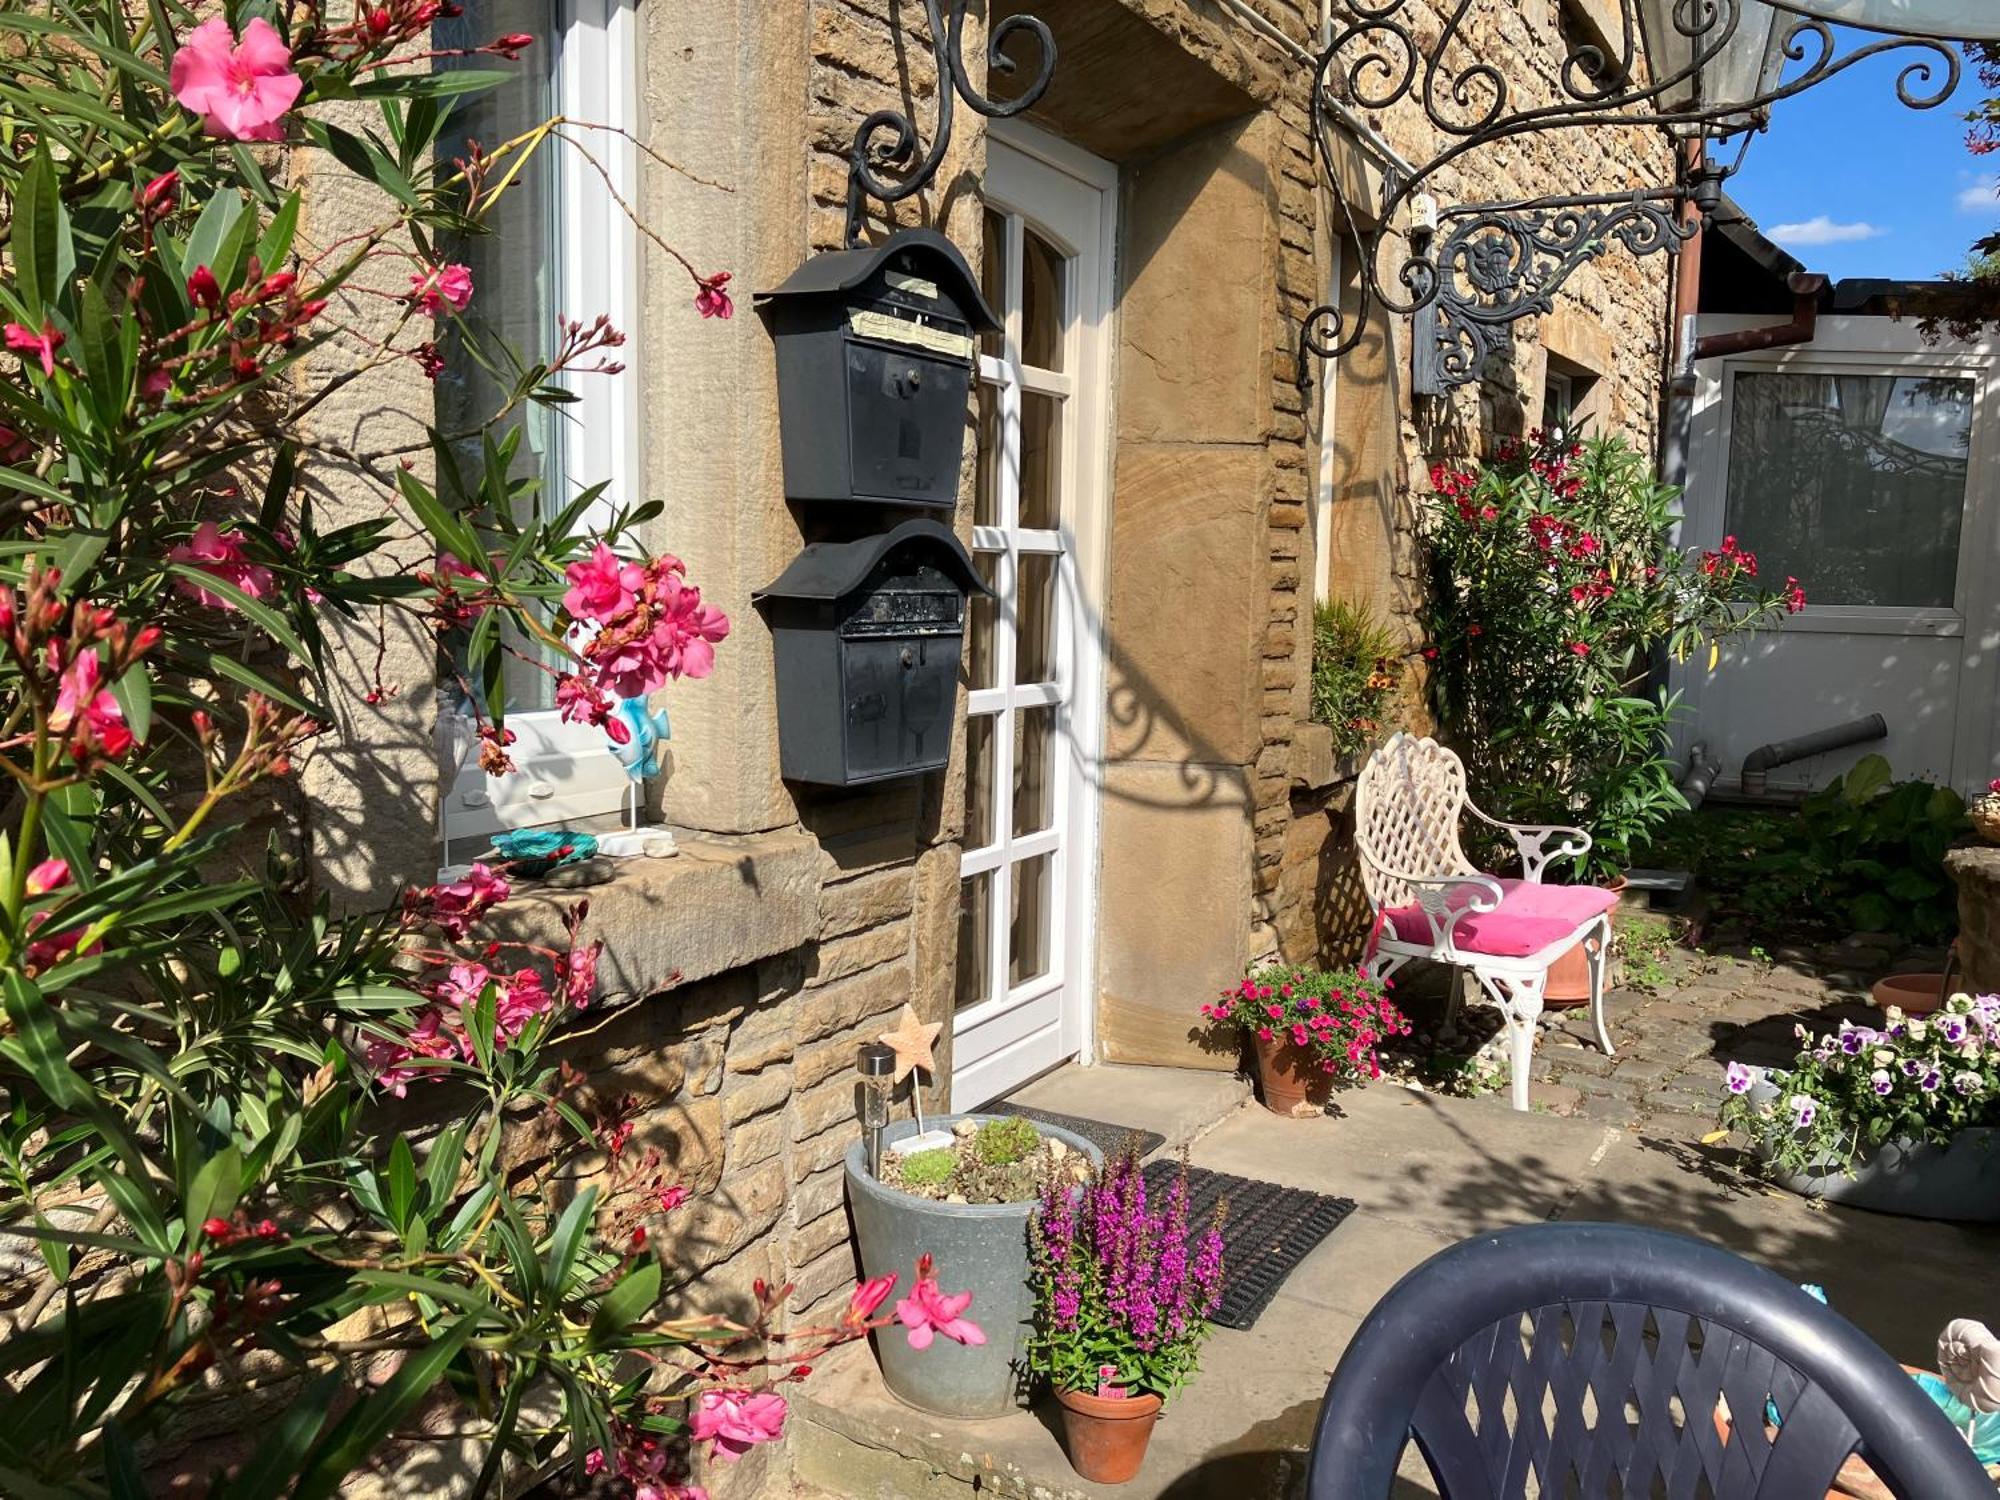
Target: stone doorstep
pixel 1182 1104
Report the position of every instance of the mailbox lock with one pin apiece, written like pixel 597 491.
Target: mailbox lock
pixel 914 379
pixel 909 657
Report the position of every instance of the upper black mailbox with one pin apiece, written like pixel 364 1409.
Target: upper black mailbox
pixel 866 636
pixel 875 356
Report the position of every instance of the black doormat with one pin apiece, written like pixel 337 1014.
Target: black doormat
pixel 1266 1232
pixel 1106 1137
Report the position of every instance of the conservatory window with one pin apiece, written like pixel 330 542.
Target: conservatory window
pixel 560 248
pixel 1854 483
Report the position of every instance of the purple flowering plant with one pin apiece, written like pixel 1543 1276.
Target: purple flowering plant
pixel 1123 1287
pixel 1922 1078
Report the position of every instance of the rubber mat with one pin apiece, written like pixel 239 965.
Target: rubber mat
pixel 1266 1231
pixel 1106 1137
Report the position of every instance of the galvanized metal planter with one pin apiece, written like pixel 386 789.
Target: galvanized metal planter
pixel 1959 1181
pixel 983 1247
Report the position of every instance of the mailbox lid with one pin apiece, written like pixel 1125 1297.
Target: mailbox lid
pixel 922 254
pixel 830 572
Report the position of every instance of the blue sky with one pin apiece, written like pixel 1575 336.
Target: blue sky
pixel 1854 184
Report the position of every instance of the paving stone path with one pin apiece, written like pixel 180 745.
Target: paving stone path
pixel 1712 1007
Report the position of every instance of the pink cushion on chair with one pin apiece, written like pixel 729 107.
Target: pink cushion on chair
pixel 1528 918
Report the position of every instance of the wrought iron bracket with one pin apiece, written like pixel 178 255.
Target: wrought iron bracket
pixel 913 165
pixel 1490 264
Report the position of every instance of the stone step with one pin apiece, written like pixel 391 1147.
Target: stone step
pixel 1182 1104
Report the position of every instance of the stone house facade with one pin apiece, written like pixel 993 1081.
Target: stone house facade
pixel 1147 809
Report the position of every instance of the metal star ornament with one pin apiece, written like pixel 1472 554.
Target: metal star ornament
pixel 912 1042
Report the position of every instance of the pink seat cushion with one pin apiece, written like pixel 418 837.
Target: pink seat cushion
pixel 1528 918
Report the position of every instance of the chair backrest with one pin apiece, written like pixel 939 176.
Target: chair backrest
pixel 1407 804
pixel 1596 1358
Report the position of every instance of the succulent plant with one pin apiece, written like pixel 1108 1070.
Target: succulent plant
pixel 1001 1143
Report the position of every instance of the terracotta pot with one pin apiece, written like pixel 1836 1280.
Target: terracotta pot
pixel 1290 1077
pixel 1569 975
pixel 1107 1436
pixel 1917 994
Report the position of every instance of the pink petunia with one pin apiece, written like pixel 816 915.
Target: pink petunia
pixel 25 341
pixel 928 1311
pixel 222 555
pixel 737 1421
pixel 241 89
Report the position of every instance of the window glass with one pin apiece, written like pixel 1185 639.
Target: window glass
pixel 1855 484
pixel 515 269
pixel 1042 268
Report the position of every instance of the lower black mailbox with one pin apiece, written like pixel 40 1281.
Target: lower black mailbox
pixel 867 636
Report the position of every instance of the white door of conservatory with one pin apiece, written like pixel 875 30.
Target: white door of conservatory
pixel 1864 463
pixel 1034 654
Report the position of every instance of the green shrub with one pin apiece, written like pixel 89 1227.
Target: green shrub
pixel 1354 670
pixel 930 1168
pixel 1865 853
pixel 1001 1143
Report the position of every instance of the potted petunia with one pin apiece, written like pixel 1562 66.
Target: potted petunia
pixel 1309 1029
pixel 1901 1118
pixel 1123 1293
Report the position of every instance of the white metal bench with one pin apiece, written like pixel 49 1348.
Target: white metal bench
pixel 1429 902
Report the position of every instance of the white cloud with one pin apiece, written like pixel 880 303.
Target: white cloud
pixel 1982 197
pixel 1821 230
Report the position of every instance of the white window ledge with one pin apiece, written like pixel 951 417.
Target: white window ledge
pixel 721 903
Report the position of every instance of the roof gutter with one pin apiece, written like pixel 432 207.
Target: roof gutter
pixel 1806 287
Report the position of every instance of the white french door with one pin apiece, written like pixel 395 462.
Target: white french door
pixel 1034 654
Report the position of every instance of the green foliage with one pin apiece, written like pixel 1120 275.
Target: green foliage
pixel 1865 853
pixel 1001 1143
pixel 931 1168
pixel 1354 672
pixel 1553 582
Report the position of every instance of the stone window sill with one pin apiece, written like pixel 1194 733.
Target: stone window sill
pixel 721 903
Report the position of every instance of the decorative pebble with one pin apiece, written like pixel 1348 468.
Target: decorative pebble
pixel 584 872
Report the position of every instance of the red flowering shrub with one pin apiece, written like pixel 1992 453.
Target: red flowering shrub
pixel 1554 583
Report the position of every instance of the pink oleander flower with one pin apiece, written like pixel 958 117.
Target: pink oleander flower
pixel 222 555
pixel 736 1421
pixel 455 907
pixel 928 1311
pixel 673 1197
pixel 712 300
pixel 24 341
pixel 441 287
pixel 49 875
pixel 867 1297
pixel 88 711
pixel 579 975
pixel 602 587
pixel 241 89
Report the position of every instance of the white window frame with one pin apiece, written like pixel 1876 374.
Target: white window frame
pixel 565 772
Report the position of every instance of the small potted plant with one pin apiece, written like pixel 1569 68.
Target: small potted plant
pixel 1311 1029
pixel 1123 1293
pixel 968 1201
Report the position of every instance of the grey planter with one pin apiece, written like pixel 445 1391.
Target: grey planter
pixel 1959 1181
pixel 983 1247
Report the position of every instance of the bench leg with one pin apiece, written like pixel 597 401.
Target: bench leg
pixel 1597 949
pixel 1520 1002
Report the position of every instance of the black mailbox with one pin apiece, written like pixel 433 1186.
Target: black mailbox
pixel 875 355
pixel 867 637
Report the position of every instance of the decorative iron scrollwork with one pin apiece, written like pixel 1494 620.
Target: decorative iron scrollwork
pixel 1501 262
pixel 900 152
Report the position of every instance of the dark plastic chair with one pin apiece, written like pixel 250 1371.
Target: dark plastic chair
pixel 1591 1357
